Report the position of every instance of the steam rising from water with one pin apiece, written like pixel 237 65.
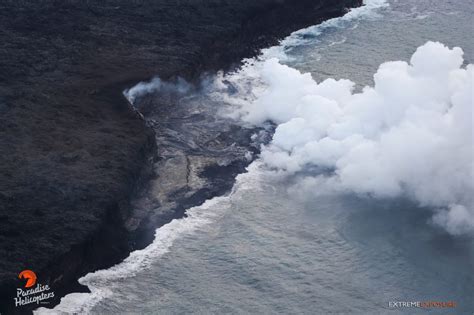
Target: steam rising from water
pixel 410 135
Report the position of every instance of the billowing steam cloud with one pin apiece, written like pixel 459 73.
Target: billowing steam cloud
pixel 409 135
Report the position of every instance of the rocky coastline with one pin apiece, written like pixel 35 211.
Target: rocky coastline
pixel 74 155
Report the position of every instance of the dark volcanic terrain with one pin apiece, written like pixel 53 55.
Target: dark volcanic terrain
pixel 72 152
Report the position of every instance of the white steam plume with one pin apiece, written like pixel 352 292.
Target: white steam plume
pixel 156 84
pixel 142 88
pixel 409 135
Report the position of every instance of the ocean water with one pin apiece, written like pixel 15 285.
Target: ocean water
pixel 274 245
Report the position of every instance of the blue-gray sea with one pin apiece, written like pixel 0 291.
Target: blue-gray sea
pixel 263 250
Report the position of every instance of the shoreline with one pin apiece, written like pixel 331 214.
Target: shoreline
pixel 90 250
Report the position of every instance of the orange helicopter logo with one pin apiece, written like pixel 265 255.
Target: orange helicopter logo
pixel 30 276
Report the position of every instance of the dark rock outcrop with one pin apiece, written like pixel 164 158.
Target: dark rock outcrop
pixel 72 153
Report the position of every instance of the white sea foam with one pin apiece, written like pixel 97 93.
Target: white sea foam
pixel 309 34
pixel 102 282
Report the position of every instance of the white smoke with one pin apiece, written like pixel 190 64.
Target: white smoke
pixel 180 86
pixel 409 135
pixel 142 88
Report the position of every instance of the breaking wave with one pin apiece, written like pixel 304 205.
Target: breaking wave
pixel 101 282
pixel 310 34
